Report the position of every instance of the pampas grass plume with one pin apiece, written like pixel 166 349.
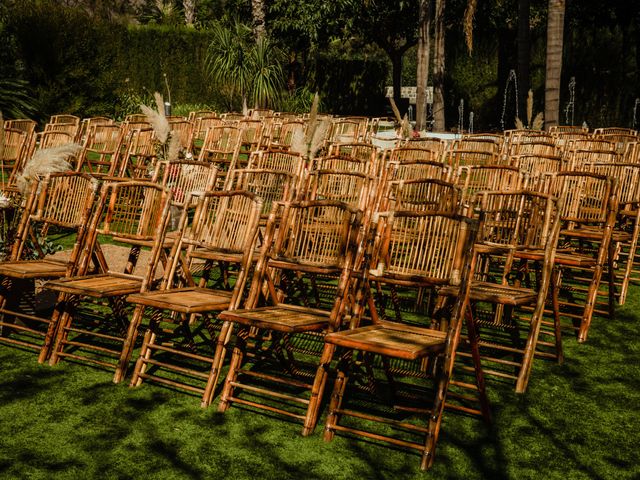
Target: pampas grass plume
pixel 174 148
pixel 157 119
pixel 48 160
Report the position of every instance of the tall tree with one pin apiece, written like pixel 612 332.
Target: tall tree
pixel 524 50
pixel 438 67
pixel 555 39
pixel 258 12
pixel 422 73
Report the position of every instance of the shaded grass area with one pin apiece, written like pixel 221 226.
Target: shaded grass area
pixel 578 420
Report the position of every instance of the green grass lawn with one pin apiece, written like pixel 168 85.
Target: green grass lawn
pixel 579 420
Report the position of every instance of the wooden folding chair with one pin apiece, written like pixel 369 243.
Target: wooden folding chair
pixel 220 239
pixel 588 213
pixel 390 360
pixel 314 239
pixel 515 254
pixel 58 205
pixel 136 215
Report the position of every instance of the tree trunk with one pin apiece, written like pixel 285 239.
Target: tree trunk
pixel 524 51
pixel 396 73
pixel 258 12
pixel 189 12
pixel 555 37
pixel 422 73
pixel 438 68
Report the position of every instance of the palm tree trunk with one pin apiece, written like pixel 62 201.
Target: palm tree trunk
pixel 189 12
pixel 422 73
pixel 555 37
pixel 524 51
pixel 438 68
pixel 258 12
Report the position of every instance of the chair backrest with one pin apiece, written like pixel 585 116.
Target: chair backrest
pixel 420 248
pixel 459 158
pixel 586 198
pixel 221 146
pixel 271 186
pixel 579 158
pixel 282 134
pixel 139 159
pixel 53 139
pixel 423 195
pixel 433 144
pixel 309 238
pixel 186 179
pixel 353 188
pixel 183 130
pixel 472 179
pixel 344 163
pixel 64 200
pixel 101 148
pixel 520 220
pixel 476 144
pixel 628 179
pixel 12 153
pixel 133 213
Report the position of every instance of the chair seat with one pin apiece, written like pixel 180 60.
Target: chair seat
pixel 494 293
pixel 45 268
pixel 391 339
pixel 97 286
pixel 593 233
pixel 283 318
pixel 184 300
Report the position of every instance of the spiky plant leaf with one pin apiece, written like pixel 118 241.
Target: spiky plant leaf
pixel 396 112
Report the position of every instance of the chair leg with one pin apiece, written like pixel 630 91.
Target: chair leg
pixel 66 318
pixel 474 337
pixel 216 365
pixel 129 342
pixel 556 280
pixel 234 367
pixel 146 350
pixel 337 395
pixel 52 329
pixel 592 294
pixel 317 389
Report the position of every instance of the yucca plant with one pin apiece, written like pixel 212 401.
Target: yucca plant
pixel 243 68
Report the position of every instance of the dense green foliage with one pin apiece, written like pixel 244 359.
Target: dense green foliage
pixel 102 57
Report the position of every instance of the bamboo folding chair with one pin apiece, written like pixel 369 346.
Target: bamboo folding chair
pixel 58 205
pixel 624 236
pixel 27 126
pixel 284 374
pixel 207 272
pixel 200 127
pixel 93 324
pixel 345 131
pixel 515 255
pixel 588 213
pixel 251 137
pixel 388 361
pixel 579 158
pixel 101 149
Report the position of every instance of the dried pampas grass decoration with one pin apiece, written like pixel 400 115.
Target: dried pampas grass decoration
pixel 157 119
pixel 48 160
pixel 538 122
pixel 519 124
pixel 173 152
pixel 310 143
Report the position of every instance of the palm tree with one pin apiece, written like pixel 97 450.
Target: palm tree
pixel 189 12
pixel 555 38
